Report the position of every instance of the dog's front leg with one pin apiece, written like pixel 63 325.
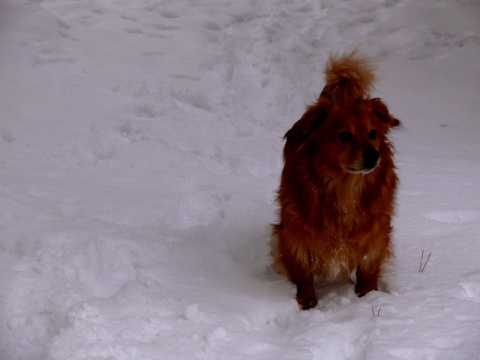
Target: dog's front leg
pixel 367 280
pixel 303 279
pixel 306 296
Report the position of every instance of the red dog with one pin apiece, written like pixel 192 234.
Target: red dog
pixel 338 184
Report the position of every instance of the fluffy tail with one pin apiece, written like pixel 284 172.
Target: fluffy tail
pixel 349 77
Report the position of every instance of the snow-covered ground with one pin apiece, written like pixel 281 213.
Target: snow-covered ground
pixel 140 151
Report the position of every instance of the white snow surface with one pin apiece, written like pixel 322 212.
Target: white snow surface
pixel 141 148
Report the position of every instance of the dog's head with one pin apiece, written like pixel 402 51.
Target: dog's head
pixel 336 139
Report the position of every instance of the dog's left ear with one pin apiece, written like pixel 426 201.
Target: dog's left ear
pixel 312 119
pixel 380 110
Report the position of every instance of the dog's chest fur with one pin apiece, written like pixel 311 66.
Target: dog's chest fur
pixel 341 222
pixel 339 201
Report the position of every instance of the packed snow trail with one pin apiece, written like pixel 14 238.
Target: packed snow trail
pixel 141 149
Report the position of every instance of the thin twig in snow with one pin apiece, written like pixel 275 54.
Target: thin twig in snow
pixel 422 268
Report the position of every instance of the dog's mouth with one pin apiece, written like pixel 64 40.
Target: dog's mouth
pixel 362 170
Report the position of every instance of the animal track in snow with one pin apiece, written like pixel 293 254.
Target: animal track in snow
pixel 195 99
pixel 471 291
pixel 133 31
pixel 210 25
pixel 457 217
pixel 434 44
pixel 185 77
pixel 166 27
pixel 129 18
pixel 169 14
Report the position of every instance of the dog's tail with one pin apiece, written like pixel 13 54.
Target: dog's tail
pixel 349 77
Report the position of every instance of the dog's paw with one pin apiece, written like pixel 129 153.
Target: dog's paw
pixel 363 288
pixel 307 302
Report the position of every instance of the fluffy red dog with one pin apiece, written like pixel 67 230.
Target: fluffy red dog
pixel 338 184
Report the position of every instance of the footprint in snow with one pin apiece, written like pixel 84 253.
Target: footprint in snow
pixel 213 26
pixel 471 291
pixel 169 14
pixel 437 44
pixel 196 100
pixel 166 27
pixel 456 217
pixel 129 18
pixel 185 77
pixel 133 31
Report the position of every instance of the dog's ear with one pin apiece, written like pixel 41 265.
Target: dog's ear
pixel 311 120
pixel 380 110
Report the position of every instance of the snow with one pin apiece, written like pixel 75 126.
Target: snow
pixel 140 146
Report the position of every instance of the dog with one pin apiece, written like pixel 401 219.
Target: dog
pixel 338 184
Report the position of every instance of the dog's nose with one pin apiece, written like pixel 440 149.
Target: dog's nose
pixel 370 158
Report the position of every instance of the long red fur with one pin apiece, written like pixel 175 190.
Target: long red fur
pixel 336 200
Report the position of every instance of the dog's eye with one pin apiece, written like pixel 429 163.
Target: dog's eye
pixel 345 136
pixel 372 134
